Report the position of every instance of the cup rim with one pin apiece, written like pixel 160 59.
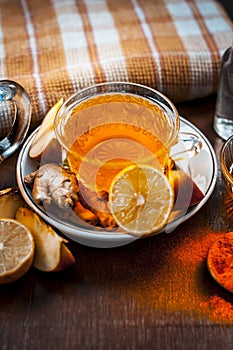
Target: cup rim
pixel 224 168
pixel 61 110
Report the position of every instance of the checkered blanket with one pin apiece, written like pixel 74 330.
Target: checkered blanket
pixel 56 47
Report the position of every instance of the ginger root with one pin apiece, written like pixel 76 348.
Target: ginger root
pixel 55 186
pixel 85 214
pixel 53 183
pixel 98 205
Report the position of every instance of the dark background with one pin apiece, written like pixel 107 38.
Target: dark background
pixel 228 5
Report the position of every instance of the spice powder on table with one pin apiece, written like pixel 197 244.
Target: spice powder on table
pixel 182 282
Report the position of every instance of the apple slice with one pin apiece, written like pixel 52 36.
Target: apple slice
pixel 187 193
pixel 45 133
pixel 10 201
pixel 51 253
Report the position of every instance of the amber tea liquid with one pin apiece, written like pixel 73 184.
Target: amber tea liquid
pixel 109 132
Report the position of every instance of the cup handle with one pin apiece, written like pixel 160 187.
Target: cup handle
pixel 191 146
pixel 12 91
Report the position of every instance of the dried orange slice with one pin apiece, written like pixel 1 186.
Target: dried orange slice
pixel 141 199
pixel 220 261
pixel 16 250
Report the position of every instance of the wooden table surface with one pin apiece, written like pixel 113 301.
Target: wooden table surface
pixel 132 297
pixel 108 299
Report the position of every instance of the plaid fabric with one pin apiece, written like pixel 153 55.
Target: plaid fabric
pixel 55 47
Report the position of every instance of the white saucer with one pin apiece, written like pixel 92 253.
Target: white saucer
pixel 203 170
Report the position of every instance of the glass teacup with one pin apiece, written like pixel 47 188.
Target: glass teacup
pixel 107 127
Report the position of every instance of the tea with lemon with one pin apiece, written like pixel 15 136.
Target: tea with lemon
pixel 112 131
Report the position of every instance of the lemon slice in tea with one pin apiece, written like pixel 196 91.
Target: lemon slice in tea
pixel 141 199
pixel 16 250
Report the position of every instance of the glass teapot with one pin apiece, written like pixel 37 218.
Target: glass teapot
pixel 15 117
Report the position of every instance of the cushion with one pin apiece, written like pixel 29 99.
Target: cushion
pixel 54 48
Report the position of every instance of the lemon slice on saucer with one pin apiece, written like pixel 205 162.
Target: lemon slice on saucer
pixel 16 250
pixel 141 199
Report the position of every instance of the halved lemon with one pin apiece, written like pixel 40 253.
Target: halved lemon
pixel 16 250
pixel 141 199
